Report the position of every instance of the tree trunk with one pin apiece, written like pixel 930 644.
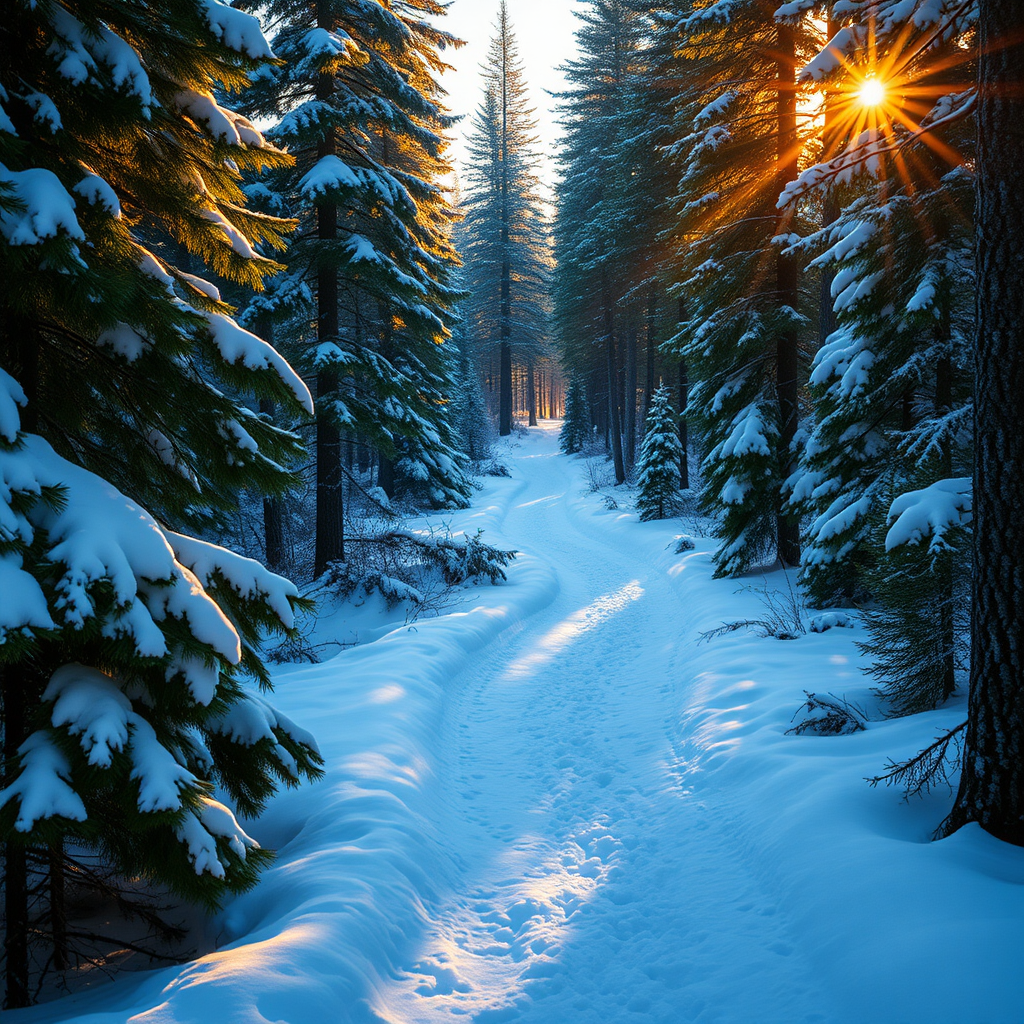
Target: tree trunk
pixel 947 598
pixel 630 406
pixel 684 427
pixel 787 351
pixel 15 866
pixel 505 395
pixel 684 405
pixel 273 511
pixel 652 299
pixel 831 141
pixel 505 391
pixel 614 424
pixel 58 912
pixel 273 527
pixel 330 533
pixel 992 782
pixel 386 475
pixel 531 391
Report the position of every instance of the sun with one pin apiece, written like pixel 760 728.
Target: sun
pixel 872 92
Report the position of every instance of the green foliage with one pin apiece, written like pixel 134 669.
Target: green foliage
pixel 130 662
pixel 658 469
pixel 742 307
pixel 359 104
pixel 918 620
pixel 576 432
pixel 504 240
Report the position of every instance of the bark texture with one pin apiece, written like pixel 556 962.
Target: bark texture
pixel 992 783
pixel 15 879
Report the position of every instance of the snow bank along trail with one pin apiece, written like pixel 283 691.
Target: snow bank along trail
pixel 595 887
pixel 556 807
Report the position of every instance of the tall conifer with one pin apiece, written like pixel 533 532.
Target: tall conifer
pixel 360 107
pixel 506 246
pixel 129 649
pixel 742 307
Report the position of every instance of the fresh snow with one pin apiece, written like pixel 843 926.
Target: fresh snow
pixel 556 805
pixel 931 512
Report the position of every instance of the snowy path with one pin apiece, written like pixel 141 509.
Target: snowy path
pixel 595 885
pixel 553 806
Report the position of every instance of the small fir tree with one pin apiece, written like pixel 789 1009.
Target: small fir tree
pixel 659 478
pixel 576 426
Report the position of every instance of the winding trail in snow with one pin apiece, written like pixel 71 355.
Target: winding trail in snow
pixel 593 883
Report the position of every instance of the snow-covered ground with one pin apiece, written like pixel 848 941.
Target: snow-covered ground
pixel 556 806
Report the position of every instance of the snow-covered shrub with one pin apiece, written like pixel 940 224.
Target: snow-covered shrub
pixel 421 569
pixel 783 619
pixel 828 715
pixel 825 621
pixel 918 626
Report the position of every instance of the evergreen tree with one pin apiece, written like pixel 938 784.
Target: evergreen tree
pixel 470 417
pixel 575 432
pixel 742 304
pixel 917 621
pixel 129 649
pixel 658 478
pixel 359 106
pixel 892 383
pixel 591 277
pixel 506 248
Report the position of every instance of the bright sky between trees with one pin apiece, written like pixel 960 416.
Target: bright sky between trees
pixel 545 31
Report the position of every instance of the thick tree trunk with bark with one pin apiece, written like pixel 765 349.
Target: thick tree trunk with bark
pixel 531 392
pixel 58 911
pixel 787 351
pixel 330 534
pixel 992 783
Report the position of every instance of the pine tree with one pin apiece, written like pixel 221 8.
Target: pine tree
pixel 129 649
pixel 359 105
pixel 575 433
pixel 506 248
pixel 742 336
pixel 892 384
pixel 917 621
pixel 658 470
pixel 592 273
